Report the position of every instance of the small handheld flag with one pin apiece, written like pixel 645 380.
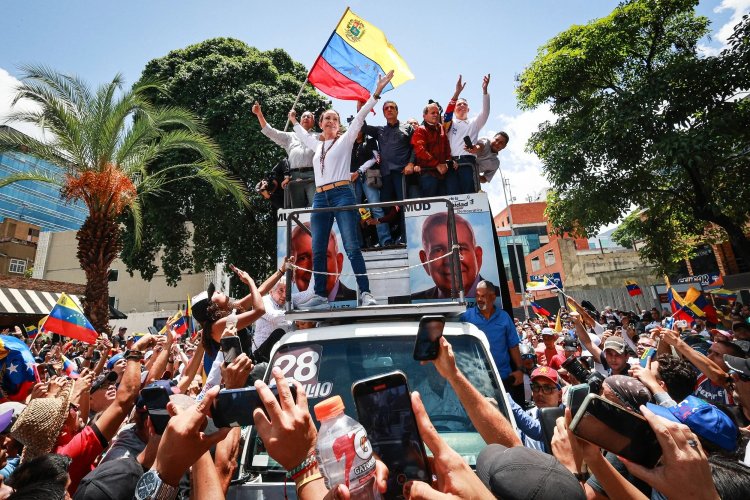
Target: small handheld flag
pixel 538 309
pixel 67 319
pixel 355 54
pixel 69 367
pixel 633 288
pixel 32 331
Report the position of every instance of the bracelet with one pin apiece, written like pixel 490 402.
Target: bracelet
pixel 310 461
pixel 281 270
pixel 309 479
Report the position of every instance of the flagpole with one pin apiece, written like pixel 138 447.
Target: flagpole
pixel 296 100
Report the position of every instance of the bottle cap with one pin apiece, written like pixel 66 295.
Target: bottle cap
pixel 329 408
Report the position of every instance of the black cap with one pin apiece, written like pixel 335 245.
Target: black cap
pixel 735 363
pixel 111 480
pixel 543 477
pixel 570 343
pixel 740 324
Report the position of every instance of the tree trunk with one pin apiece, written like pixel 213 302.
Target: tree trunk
pixel 98 246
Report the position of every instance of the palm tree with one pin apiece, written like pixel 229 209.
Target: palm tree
pixel 104 142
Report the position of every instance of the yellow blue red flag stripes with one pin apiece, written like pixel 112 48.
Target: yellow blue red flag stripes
pixel 538 309
pixel 633 288
pixel 351 60
pixel 67 319
pixel 31 331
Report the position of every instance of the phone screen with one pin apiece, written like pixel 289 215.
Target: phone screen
pixel 156 399
pixel 235 407
pixel 649 353
pixel 427 345
pixel 575 396
pixel 231 347
pixel 384 409
pixel 669 322
pixel 618 430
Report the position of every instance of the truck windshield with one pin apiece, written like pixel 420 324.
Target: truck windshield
pixel 330 367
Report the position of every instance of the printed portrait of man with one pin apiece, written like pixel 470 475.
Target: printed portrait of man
pixel 435 244
pixel 302 251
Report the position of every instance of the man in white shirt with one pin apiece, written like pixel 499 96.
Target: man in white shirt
pixel 300 179
pixel 462 178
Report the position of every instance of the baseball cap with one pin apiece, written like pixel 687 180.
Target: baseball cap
pixel 111 480
pixel 546 372
pixel 199 304
pixel 738 364
pixel 723 333
pixel 704 419
pixel 548 331
pixel 543 476
pixel 570 343
pixel 616 344
pixel 740 324
pixel 113 361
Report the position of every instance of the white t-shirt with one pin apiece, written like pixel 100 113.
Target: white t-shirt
pixel 461 128
pixel 338 156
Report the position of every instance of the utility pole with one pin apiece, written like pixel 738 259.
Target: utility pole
pixel 506 183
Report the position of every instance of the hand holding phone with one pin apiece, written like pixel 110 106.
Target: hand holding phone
pixel 384 409
pixel 231 347
pixel 235 407
pixel 156 398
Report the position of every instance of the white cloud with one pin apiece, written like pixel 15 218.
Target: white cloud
pixel 739 8
pixel 8 89
pixel 522 169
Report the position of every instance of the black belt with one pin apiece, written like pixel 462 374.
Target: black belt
pixel 464 157
pixel 302 170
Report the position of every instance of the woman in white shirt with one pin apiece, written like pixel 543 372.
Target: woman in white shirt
pixel 333 188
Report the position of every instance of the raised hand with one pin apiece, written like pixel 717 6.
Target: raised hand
pixel 256 108
pixel 459 88
pixel 293 117
pixel 383 81
pixel 485 83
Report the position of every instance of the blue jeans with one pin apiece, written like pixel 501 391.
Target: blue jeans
pixel 321 224
pixel 461 181
pixel 373 196
pixel 431 185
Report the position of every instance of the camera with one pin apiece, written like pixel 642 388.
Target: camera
pixel 584 375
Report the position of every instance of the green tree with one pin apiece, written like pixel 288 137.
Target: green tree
pixel 218 80
pixel 105 141
pixel 643 119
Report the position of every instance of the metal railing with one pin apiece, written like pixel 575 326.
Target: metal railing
pixel 457 285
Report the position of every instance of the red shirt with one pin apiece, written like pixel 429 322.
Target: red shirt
pixel 543 355
pixel 431 146
pixel 83 450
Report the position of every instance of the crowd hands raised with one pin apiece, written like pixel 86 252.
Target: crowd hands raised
pixel 442 155
pixel 100 433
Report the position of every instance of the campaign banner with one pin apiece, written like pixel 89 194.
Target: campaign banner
pixel 341 290
pixel 551 278
pixel 427 230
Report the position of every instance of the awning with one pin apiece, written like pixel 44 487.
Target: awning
pixel 22 301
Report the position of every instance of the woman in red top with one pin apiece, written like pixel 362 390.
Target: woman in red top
pixel 432 152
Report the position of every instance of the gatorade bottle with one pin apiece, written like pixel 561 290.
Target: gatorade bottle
pixel 365 213
pixel 343 451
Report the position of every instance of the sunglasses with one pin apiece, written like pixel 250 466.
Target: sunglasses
pixel 546 389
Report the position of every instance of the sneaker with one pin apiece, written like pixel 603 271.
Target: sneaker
pixel 366 299
pixel 314 302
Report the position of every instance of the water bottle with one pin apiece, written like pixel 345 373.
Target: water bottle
pixel 343 451
pixel 232 320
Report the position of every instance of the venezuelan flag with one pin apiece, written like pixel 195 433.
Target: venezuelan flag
pixel 17 367
pixel 351 60
pixel 693 305
pixel 69 367
pixel 31 331
pixel 538 309
pixel 67 319
pixel 181 325
pixel 633 288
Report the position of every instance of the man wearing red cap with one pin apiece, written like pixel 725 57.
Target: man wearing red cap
pixel 546 392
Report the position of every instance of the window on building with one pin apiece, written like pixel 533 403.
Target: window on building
pixel 112 275
pixel 535 264
pixel 33 232
pixel 17 266
pixel 549 258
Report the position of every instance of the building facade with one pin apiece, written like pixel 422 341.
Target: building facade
pixel 18 242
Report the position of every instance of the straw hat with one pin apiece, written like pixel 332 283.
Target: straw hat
pixel 39 426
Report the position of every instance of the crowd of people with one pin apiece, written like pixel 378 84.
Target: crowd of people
pixel 90 429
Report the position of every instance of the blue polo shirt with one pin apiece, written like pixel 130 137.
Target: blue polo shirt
pixel 501 334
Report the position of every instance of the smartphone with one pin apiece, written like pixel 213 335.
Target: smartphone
pixel 467 141
pixel 156 398
pixel 612 427
pixel 152 330
pixel 51 370
pixel 235 407
pixel 427 344
pixel 383 406
pixel 231 347
pixel 548 420
pixel 575 396
pixel 649 353
pixel 669 322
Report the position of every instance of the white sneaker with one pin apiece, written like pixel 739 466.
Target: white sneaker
pixel 366 299
pixel 314 302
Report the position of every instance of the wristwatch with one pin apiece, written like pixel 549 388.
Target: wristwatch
pixel 132 354
pixel 151 487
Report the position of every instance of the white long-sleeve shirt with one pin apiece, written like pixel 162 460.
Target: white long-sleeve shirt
pixel 300 156
pixel 461 128
pixel 339 157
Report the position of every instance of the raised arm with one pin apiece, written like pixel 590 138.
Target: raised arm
pixel 583 336
pixel 359 119
pixel 283 139
pixel 481 120
pixel 257 111
pixel 714 373
pixel 489 422
pixel 267 285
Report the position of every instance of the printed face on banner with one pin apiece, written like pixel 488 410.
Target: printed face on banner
pixel 429 245
pixel 340 290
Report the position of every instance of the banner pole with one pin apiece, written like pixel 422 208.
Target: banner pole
pixel 296 100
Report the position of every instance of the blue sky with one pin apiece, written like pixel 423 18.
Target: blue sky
pixel 438 40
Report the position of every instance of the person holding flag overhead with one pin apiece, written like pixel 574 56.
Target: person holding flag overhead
pixel 333 189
